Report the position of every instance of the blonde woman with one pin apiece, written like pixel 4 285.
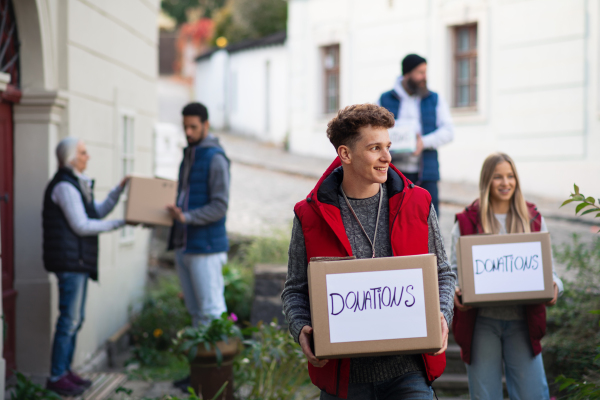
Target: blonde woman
pixel 505 336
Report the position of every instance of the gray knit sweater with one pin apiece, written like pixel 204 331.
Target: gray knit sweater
pixel 296 303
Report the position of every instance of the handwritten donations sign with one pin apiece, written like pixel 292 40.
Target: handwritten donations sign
pixel 376 305
pixel 508 267
pixel 505 269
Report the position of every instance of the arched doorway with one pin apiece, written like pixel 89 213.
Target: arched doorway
pixel 10 94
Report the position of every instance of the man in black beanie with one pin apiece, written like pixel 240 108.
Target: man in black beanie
pixel 421 114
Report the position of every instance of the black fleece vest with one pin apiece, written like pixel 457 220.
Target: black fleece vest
pixel 64 250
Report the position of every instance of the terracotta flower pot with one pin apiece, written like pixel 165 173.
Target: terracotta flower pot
pixel 208 377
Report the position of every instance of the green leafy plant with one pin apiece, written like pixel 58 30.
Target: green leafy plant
pixel 162 315
pixel 272 366
pixel 576 316
pixel 584 202
pixel 572 323
pixel 239 285
pixel 239 272
pixel 194 396
pixel 27 390
pixel 219 330
pixel 580 390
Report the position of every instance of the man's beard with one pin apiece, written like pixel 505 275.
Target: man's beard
pixel 196 142
pixel 416 88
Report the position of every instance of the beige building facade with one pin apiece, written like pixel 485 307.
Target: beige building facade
pixel 88 69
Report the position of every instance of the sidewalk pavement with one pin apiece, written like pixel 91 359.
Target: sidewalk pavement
pixel 249 151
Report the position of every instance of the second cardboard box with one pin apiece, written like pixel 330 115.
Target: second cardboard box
pixel 505 269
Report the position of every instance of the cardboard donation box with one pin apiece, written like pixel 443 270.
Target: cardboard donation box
pixel 505 269
pixel 147 200
pixel 375 306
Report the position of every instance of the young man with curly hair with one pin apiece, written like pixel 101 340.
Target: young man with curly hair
pixel 364 207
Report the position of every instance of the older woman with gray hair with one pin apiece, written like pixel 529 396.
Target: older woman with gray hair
pixel 72 223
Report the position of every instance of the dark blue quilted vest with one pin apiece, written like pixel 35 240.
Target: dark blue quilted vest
pixel 205 239
pixel 64 251
pixel 430 170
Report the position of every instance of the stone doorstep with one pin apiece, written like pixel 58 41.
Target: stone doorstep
pixel 104 386
pixel 117 343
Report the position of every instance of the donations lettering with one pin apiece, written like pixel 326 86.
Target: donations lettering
pixel 372 299
pixel 376 305
pixel 508 267
pixel 507 263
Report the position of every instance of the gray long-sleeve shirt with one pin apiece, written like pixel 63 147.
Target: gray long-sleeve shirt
pixel 218 188
pixel 68 198
pixel 296 303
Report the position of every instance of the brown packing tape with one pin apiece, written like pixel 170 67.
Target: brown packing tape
pixel 317 272
pixel 466 273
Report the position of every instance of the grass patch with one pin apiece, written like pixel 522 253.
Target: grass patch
pixel 172 367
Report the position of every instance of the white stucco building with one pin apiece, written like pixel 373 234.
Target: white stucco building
pixel 86 68
pixel 521 76
pixel 245 87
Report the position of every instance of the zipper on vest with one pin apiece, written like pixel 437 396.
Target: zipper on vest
pixel 396 216
pixel 339 371
pixel 186 199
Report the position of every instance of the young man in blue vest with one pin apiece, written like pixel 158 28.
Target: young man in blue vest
pixel 198 234
pixel 426 114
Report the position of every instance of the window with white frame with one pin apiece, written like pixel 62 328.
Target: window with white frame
pixel 127 164
pixel 331 78
pixel 465 65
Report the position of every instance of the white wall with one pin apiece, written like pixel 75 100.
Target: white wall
pixel 169 143
pixel 538 78
pixel 258 93
pixel 96 62
pixel 247 92
pixel 210 87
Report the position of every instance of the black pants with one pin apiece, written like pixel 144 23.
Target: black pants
pixel 430 186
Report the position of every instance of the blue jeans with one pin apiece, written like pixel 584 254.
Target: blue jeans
pixel 201 277
pixel 494 342
pixel 72 289
pixel 410 386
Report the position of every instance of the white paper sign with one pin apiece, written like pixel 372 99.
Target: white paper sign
pixel 403 138
pixel 376 305
pixel 509 267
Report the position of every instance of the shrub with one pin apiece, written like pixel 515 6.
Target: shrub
pixel 162 315
pixel 27 390
pixel 239 283
pixel 239 272
pixel 572 324
pixel 272 366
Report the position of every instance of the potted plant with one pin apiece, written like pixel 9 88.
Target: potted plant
pixel 211 349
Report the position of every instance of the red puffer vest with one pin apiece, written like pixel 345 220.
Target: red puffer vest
pixel 463 324
pixel 325 236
